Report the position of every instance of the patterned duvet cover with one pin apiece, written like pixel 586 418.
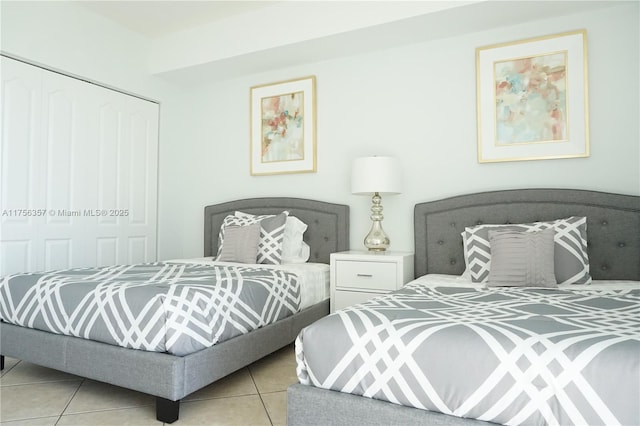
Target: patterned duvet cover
pixel 507 355
pixel 161 307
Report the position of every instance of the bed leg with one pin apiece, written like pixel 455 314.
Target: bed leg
pixel 1 362
pixel 167 411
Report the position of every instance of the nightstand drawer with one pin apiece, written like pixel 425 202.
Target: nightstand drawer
pixel 343 299
pixel 367 275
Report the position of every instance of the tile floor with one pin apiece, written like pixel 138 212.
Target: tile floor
pixel 255 395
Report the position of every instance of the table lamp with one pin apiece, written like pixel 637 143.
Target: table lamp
pixel 375 176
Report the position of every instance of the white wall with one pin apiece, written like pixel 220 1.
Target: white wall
pixel 72 39
pixel 417 103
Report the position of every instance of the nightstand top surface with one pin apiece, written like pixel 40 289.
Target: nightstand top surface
pixel 385 253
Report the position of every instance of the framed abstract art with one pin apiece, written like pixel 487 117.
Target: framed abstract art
pixel 283 127
pixel 533 99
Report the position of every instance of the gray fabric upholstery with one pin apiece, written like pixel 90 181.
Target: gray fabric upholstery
pixel 174 377
pixel 328 223
pixel 307 406
pixel 154 373
pixel 613 226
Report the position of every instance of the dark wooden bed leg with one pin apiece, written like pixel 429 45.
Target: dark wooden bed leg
pixel 167 411
pixel 1 362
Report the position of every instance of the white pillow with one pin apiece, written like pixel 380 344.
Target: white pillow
pixel 294 249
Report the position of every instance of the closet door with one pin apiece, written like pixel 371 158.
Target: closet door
pixel 124 190
pixel 79 173
pixel 20 182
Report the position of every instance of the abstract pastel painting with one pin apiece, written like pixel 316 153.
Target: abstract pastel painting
pixel 283 127
pixel 532 99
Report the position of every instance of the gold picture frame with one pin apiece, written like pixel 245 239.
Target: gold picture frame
pixel 532 99
pixel 283 127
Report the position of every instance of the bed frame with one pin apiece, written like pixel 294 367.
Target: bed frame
pixel 613 232
pixel 169 377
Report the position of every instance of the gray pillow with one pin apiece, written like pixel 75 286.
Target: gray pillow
pixel 241 244
pixel 571 259
pixel 522 259
pixel 271 235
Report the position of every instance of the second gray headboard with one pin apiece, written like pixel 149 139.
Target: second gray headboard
pixel 613 226
pixel 328 223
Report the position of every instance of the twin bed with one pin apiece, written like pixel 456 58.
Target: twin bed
pixel 447 349
pixel 171 293
pixel 452 349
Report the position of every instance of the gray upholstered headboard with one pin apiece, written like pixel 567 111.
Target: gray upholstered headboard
pixel 613 226
pixel 328 223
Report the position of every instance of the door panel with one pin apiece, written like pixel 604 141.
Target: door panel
pixel 79 173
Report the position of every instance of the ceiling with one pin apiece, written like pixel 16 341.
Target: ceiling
pixel 158 18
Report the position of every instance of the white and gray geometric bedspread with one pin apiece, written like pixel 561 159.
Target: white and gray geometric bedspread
pixel 506 355
pixel 161 307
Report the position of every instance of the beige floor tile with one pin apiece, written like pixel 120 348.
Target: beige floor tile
pixel 97 396
pixel 26 373
pixel 236 384
pixel 42 421
pixel 276 405
pixel 34 395
pixel 35 400
pixel 139 416
pixel 238 410
pixel 275 372
pixel 9 363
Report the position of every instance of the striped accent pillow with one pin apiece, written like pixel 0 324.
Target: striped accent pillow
pixel 571 262
pixel 240 244
pixel 522 259
pixel 271 235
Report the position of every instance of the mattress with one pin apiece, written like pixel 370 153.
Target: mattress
pixel 507 355
pixel 176 307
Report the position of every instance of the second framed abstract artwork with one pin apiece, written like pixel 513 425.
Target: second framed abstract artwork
pixel 283 127
pixel 533 99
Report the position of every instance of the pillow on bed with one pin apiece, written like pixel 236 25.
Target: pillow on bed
pixel 571 263
pixel 294 249
pixel 522 259
pixel 271 235
pixel 240 244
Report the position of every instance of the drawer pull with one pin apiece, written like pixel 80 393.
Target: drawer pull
pixel 364 275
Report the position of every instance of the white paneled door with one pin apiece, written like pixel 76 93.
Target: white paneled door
pixel 78 170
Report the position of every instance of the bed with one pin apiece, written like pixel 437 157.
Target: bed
pixel 592 379
pixel 171 377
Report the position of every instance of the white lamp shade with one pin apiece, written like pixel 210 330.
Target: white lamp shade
pixel 376 174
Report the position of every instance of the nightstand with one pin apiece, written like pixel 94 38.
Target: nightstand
pixel 357 276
